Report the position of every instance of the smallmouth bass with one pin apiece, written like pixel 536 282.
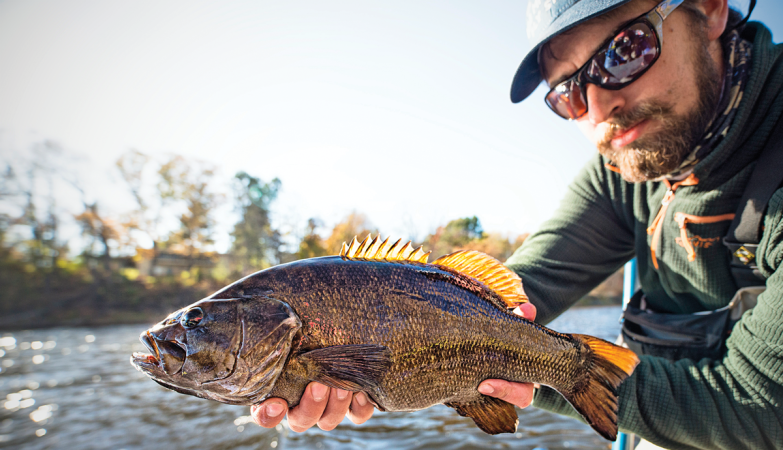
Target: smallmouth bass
pixel 378 318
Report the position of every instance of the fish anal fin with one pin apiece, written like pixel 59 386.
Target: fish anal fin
pixel 492 415
pixel 350 367
pixel 595 398
pixel 488 271
pixel 373 249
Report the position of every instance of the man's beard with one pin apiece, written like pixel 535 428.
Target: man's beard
pixel 661 152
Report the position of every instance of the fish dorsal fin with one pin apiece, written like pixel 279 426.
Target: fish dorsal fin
pixel 374 250
pixel 489 271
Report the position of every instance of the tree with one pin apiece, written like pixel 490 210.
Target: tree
pixel 176 191
pixel 38 215
pixel 189 183
pixel 312 243
pixel 145 217
pixel 496 245
pixel 454 235
pixel 354 225
pixel 467 234
pixel 99 231
pixel 256 244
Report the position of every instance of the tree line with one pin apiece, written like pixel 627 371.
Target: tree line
pixel 159 252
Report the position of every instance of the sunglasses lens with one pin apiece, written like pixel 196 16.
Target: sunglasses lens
pixel 627 56
pixel 567 100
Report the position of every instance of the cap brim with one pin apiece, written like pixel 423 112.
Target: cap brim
pixel 528 76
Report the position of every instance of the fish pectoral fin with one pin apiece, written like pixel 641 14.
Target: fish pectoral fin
pixel 350 367
pixel 491 414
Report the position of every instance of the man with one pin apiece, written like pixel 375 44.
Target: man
pixel 680 105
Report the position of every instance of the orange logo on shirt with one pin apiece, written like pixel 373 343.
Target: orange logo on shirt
pixel 698 241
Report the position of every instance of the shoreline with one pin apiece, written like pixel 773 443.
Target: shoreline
pixel 149 319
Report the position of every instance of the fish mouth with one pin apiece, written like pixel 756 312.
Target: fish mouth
pixel 166 356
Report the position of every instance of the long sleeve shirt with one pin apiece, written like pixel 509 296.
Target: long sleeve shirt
pixel 731 403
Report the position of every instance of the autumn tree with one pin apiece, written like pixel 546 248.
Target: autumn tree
pixel 354 225
pixel 189 183
pixel 178 189
pixel 496 245
pixel 99 231
pixel 456 234
pixel 467 234
pixel 256 244
pixel 312 244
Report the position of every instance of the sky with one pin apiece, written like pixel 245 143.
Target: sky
pixel 399 110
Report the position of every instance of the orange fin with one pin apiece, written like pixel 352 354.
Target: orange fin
pixel 491 414
pixel 488 271
pixel 596 398
pixel 374 250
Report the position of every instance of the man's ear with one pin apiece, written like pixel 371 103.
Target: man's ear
pixel 717 14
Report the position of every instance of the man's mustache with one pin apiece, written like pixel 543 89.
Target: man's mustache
pixel 623 121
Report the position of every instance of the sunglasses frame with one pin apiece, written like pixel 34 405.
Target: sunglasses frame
pixel 654 19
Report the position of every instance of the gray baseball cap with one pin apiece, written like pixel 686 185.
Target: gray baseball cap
pixel 545 20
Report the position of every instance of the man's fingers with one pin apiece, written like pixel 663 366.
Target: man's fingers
pixel 361 408
pixel 519 394
pixel 269 413
pixel 526 310
pixel 336 409
pixel 310 408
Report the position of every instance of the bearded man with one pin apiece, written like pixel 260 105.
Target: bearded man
pixel 681 99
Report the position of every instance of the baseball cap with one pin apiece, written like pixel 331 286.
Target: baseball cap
pixel 545 20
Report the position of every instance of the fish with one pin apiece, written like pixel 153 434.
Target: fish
pixel 379 318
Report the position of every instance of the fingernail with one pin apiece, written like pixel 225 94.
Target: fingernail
pixel 274 409
pixel 342 394
pixel 361 399
pixel 486 389
pixel 319 392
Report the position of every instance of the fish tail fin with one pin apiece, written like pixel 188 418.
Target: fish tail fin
pixel 596 397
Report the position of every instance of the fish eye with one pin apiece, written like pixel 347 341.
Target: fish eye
pixel 191 318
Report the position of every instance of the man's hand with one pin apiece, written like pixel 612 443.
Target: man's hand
pixel 319 405
pixel 519 394
pixel 326 407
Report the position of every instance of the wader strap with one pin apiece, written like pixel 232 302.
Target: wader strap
pixel 745 231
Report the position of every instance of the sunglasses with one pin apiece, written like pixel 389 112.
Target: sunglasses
pixel 621 61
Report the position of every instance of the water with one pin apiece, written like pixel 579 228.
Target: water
pixel 73 388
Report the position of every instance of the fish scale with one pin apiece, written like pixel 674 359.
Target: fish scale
pixel 408 333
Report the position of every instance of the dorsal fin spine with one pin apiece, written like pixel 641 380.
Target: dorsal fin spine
pixel 384 248
pixel 374 250
pixel 353 247
pixel 479 266
pixel 365 243
pixel 394 251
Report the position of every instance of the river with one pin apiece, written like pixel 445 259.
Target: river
pixel 74 388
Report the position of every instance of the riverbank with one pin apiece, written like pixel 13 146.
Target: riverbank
pixel 58 300
pixel 160 305
pixel 61 298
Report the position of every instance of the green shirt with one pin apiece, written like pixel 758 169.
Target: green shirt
pixel 731 403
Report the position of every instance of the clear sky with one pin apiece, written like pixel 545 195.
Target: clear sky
pixel 396 109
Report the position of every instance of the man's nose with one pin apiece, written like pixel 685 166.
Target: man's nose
pixel 602 103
